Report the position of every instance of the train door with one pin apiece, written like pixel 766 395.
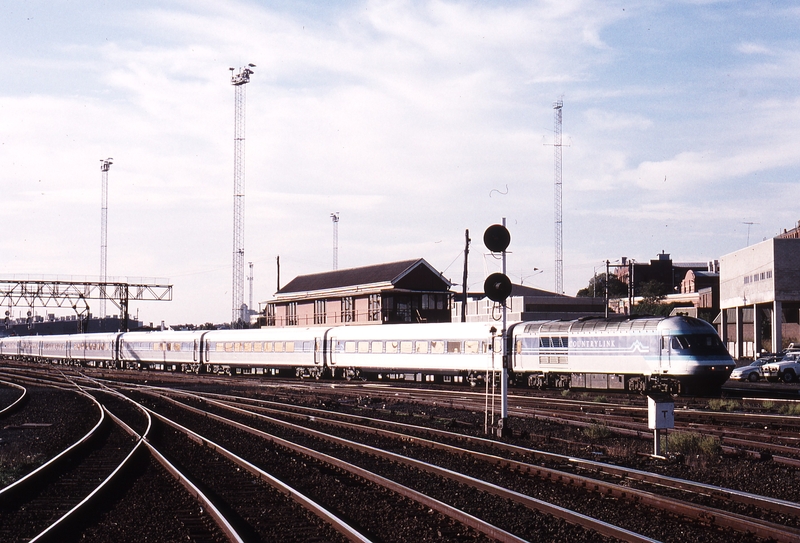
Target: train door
pixel 665 362
pixel 195 350
pixel 317 353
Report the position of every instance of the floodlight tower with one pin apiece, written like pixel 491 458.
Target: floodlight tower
pixel 105 165
pixel 335 219
pixel 239 80
pixel 559 287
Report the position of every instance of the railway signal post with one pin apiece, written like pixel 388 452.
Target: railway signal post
pixel 497 288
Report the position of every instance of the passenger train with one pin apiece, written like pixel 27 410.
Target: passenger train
pixel 671 354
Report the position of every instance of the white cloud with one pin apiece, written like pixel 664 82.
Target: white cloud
pixel 413 120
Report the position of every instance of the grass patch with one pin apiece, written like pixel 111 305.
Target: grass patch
pixel 790 409
pixel 692 444
pixel 721 404
pixel 597 431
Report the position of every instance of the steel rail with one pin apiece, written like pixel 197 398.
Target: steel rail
pixel 50 530
pixel 225 526
pixel 704 514
pixel 5 491
pixel 765 502
pixel 572 517
pixel 339 525
pixel 16 402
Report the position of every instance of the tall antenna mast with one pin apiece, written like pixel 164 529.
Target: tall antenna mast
pixel 559 288
pixel 238 308
pixel 250 279
pixel 104 167
pixel 335 219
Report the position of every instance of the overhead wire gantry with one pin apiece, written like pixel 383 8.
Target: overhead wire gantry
pixel 75 294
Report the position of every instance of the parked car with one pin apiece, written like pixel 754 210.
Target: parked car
pixel 786 369
pixel 753 371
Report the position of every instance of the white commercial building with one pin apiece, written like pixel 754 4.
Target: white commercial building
pixel 762 280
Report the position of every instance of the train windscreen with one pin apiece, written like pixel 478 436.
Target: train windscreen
pixel 698 344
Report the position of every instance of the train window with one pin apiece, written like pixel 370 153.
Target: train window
pixel 258 346
pixel 437 347
pixel 349 346
pixel 363 346
pixel 392 346
pixel 471 346
pixel 377 347
pixel 268 347
pixel 228 347
pixel 453 346
pixel 248 347
pixel 406 347
pixel 278 345
pixel 237 346
pixel 290 346
pixel 421 347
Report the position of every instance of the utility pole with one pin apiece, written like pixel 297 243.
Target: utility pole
pixel 464 281
pixel 239 81
pixel 250 305
pixel 335 219
pixel 105 165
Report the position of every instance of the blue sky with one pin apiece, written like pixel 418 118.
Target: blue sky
pixel 413 120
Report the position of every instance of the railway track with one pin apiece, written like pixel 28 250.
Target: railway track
pixel 689 508
pixel 347 458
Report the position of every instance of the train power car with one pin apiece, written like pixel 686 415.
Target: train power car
pixel 672 354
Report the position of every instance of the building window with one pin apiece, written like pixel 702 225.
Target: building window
pixel 270 315
pixel 291 314
pixel 348 309
pixel 374 307
pixel 320 314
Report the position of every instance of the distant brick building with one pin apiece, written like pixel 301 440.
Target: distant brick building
pixel 665 271
pixel 396 292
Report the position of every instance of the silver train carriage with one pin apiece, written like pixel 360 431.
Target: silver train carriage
pixel 673 354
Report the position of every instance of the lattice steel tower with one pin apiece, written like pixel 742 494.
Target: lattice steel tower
pixel 559 287
pixel 239 309
pixel 105 164
pixel 335 219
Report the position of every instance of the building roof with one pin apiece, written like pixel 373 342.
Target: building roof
pixel 389 274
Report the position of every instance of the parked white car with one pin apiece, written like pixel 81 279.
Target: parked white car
pixel 751 372
pixel 786 369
